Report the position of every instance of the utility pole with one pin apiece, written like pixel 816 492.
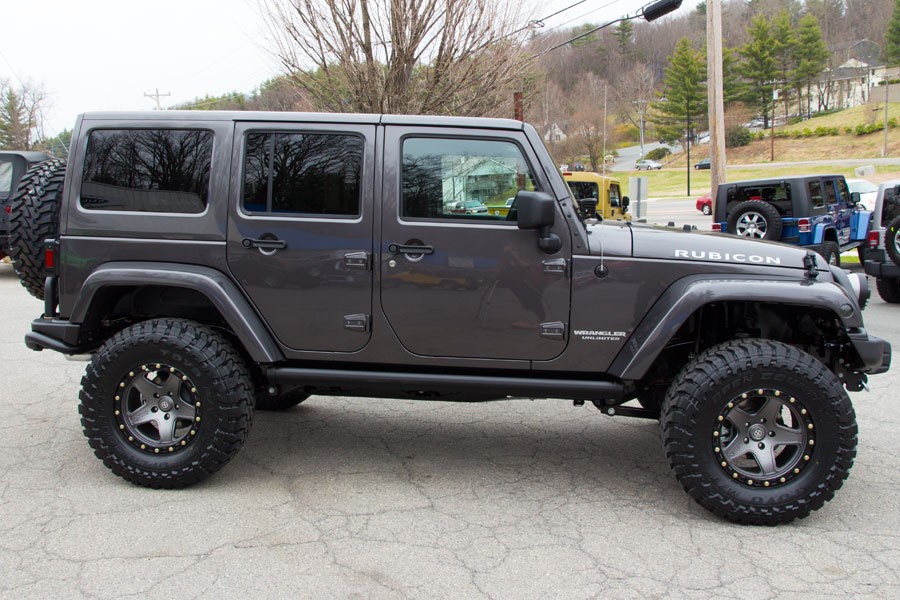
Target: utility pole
pixel 887 86
pixel 715 96
pixel 156 97
pixel 605 89
pixel 640 105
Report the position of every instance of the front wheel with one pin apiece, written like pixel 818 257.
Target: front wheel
pixel 707 209
pixel 831 253
pixel 166 403
pixel 758 432
pixel 888 289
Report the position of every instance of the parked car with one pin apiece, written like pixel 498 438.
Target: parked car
pixel 704 203
pixel 867 191
pixel 184 292
pixel 469 207
pixel 13 166
pixel 818 211
pixel 703 164
pixel 881 257
pixel 647 165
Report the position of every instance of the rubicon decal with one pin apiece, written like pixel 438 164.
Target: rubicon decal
pixel 728 257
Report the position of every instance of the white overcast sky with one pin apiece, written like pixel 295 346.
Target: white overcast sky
pixel 106 54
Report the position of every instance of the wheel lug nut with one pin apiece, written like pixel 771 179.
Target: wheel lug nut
pixel 761 445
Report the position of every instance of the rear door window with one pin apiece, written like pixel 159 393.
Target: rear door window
pixel 6 176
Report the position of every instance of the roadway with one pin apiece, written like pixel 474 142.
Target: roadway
pixel 370 498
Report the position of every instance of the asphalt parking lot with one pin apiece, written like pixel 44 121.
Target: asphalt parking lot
pixel 365 498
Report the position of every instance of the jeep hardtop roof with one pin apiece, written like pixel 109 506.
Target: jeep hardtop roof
pixel 305 117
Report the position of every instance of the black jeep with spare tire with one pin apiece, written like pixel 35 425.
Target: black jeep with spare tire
pixel 214 263
pixel 13 166
pixel 815 211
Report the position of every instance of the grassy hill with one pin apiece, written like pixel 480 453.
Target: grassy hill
pixel 753 161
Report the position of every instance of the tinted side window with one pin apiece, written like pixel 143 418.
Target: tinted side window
pixel 816 198
pixel 147 170
pixel 447 178
pixel 829 192
pixel 6 174
pixel 303 174
pixel 584 189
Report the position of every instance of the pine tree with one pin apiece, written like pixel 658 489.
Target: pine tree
pixel 812 56
pixel 759 67
pixel 684 92
pixel 624 33
pixel 784 49
pixel 892 38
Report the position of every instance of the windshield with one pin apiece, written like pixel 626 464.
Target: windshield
pixel 584 189
pixel 862 186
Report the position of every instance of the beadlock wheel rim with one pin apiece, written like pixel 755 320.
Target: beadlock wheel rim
pixel 764 438
pixel 157 408
pixel 752 224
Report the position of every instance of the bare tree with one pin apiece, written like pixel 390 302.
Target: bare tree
pixel 461 57
pixel 21 115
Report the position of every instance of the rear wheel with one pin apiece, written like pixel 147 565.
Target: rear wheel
pixel 34 217
pixel 755 219
pixel 759 432
pixel 165 403
pixel 888 289
pixel 892 240
pixel 707 209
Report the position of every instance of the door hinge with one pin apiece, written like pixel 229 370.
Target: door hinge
pixel 556 266
pixel 357 260
pixel 553 331
pixel 356 322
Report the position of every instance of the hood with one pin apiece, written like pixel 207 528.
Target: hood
pixel 673 244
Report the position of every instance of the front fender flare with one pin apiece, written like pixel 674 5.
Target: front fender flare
pixel 676 305
pixel 214 285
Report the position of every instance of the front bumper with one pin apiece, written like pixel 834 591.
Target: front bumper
pixel 874 352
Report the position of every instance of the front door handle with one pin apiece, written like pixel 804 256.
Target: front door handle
pixel 264 244
pixel 410 249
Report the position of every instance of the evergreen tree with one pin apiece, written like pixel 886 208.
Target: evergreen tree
pixel 892 38
pixel 15 131
pixel 682 105
pixel 784 49
pixel 812 56
pixel 624 34
pixel 759 68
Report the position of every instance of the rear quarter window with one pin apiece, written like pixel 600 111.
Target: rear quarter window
pixel 147 170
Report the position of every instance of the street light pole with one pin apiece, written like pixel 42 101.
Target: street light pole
pixel 640 105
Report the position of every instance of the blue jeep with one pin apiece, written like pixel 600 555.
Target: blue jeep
pixel 818 211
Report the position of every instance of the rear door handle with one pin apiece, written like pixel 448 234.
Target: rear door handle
pixel 264 244
pixel 410 249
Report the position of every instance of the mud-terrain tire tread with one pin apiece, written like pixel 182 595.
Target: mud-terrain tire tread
pixel 892 239
pixel 831 250
pixel 774 225
pixel 34 217
pixel 695 388
pixel 229 397
pixel 888 289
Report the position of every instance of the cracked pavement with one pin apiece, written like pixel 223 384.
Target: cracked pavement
pixel 370 498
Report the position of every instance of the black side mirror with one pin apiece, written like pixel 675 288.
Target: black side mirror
pixel 854 197
pixel 537 210
pixel 626 201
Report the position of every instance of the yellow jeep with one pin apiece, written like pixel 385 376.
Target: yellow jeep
pixel 605 190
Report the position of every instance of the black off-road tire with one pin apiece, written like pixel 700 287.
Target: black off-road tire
pixel 888 289
pixel 34 217
pixel 755 219
pixel 892 240
pixel 265 401
pixel 166 374
pixel 735 398
pixel 831 252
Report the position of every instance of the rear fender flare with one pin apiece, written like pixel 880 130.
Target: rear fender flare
pixel 214 285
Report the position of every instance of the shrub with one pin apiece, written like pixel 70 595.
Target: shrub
pixel 737 136
pixel 658 153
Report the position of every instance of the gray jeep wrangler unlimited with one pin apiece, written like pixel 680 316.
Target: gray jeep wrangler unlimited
pixel 214 263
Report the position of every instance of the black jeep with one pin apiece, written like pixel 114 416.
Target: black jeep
pixel 13 165
pixel 817 211
pixel 215 263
